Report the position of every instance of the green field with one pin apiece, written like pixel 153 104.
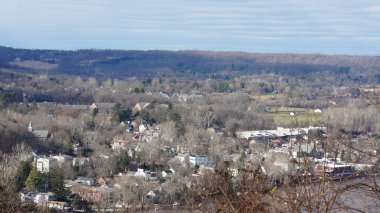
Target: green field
pixel 282 114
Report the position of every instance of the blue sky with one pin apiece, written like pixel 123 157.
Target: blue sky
pixel 294 26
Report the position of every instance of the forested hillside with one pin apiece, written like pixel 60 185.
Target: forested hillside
pixel 123 64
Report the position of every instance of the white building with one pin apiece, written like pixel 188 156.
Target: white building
pixel 64 160
pixel 140 173
pixel 265 135
pixel 199 160
pixel 43 197
pixel 44 165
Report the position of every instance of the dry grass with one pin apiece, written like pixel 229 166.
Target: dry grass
pixel 37 65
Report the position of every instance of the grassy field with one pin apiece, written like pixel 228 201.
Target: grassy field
pixel 282 114
pixel 268 96
pixel 39 65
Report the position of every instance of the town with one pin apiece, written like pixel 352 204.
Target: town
pixel 160 150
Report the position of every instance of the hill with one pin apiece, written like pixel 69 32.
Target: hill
pixel 128 63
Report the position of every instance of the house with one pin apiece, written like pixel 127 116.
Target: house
pixel 335 170
pixel 182 157
pixel 45 164
pixel 199 160
pixel 215 131
pixel 140 106
pixel 142 128
pixel 93 194
pixel 64 161
pixel 40 198
pixel 27 197
pixel 41 135
pixel 140 173
pixel 37 198
pixel 59 205
pixel 81 161
pixel 77 149
pixel 204 170
pixel 187 97
pixel 119 144
pixel 85 181
pixel 102 106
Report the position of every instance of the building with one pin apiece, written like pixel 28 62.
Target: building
pixel 81 161
pixel 41 135
pixel 44 165
pixel 266 136
pixel 140 173
pixel 181 157
pixel 199 160
pixel 41 198
pixel 85 181
pixel 102 106
pixel 141 106
pixel 64 161
pixel 93 194
pixel 335 170
pixel 59 205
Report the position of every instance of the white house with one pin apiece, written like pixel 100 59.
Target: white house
pixel 64 160
pixel 45 164
pixel 38 198
pixel 140 173
pixel 58 205
pixel 43 197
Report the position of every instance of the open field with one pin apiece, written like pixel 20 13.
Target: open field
pixel 282 114
pixel 38 65
pixel 268 96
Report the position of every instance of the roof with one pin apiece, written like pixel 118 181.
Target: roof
pixel 41 133
pixel 279 132
pixel 336 165
pixel 143 105
pixel 105 105
pixel 83 179
pixel 63 157
pixel 46 159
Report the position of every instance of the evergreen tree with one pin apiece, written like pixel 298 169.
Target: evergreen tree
pixel 56 181
pixel 22 175
pixel 34 180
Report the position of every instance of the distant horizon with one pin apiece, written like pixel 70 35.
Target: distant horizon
pixel 196 50
pixel 331 27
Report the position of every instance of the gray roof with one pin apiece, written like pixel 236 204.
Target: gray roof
pixel 41 133
pixel 105 105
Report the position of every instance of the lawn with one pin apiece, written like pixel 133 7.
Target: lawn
pixel 282 114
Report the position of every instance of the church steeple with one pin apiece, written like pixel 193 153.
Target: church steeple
pixel 30 128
